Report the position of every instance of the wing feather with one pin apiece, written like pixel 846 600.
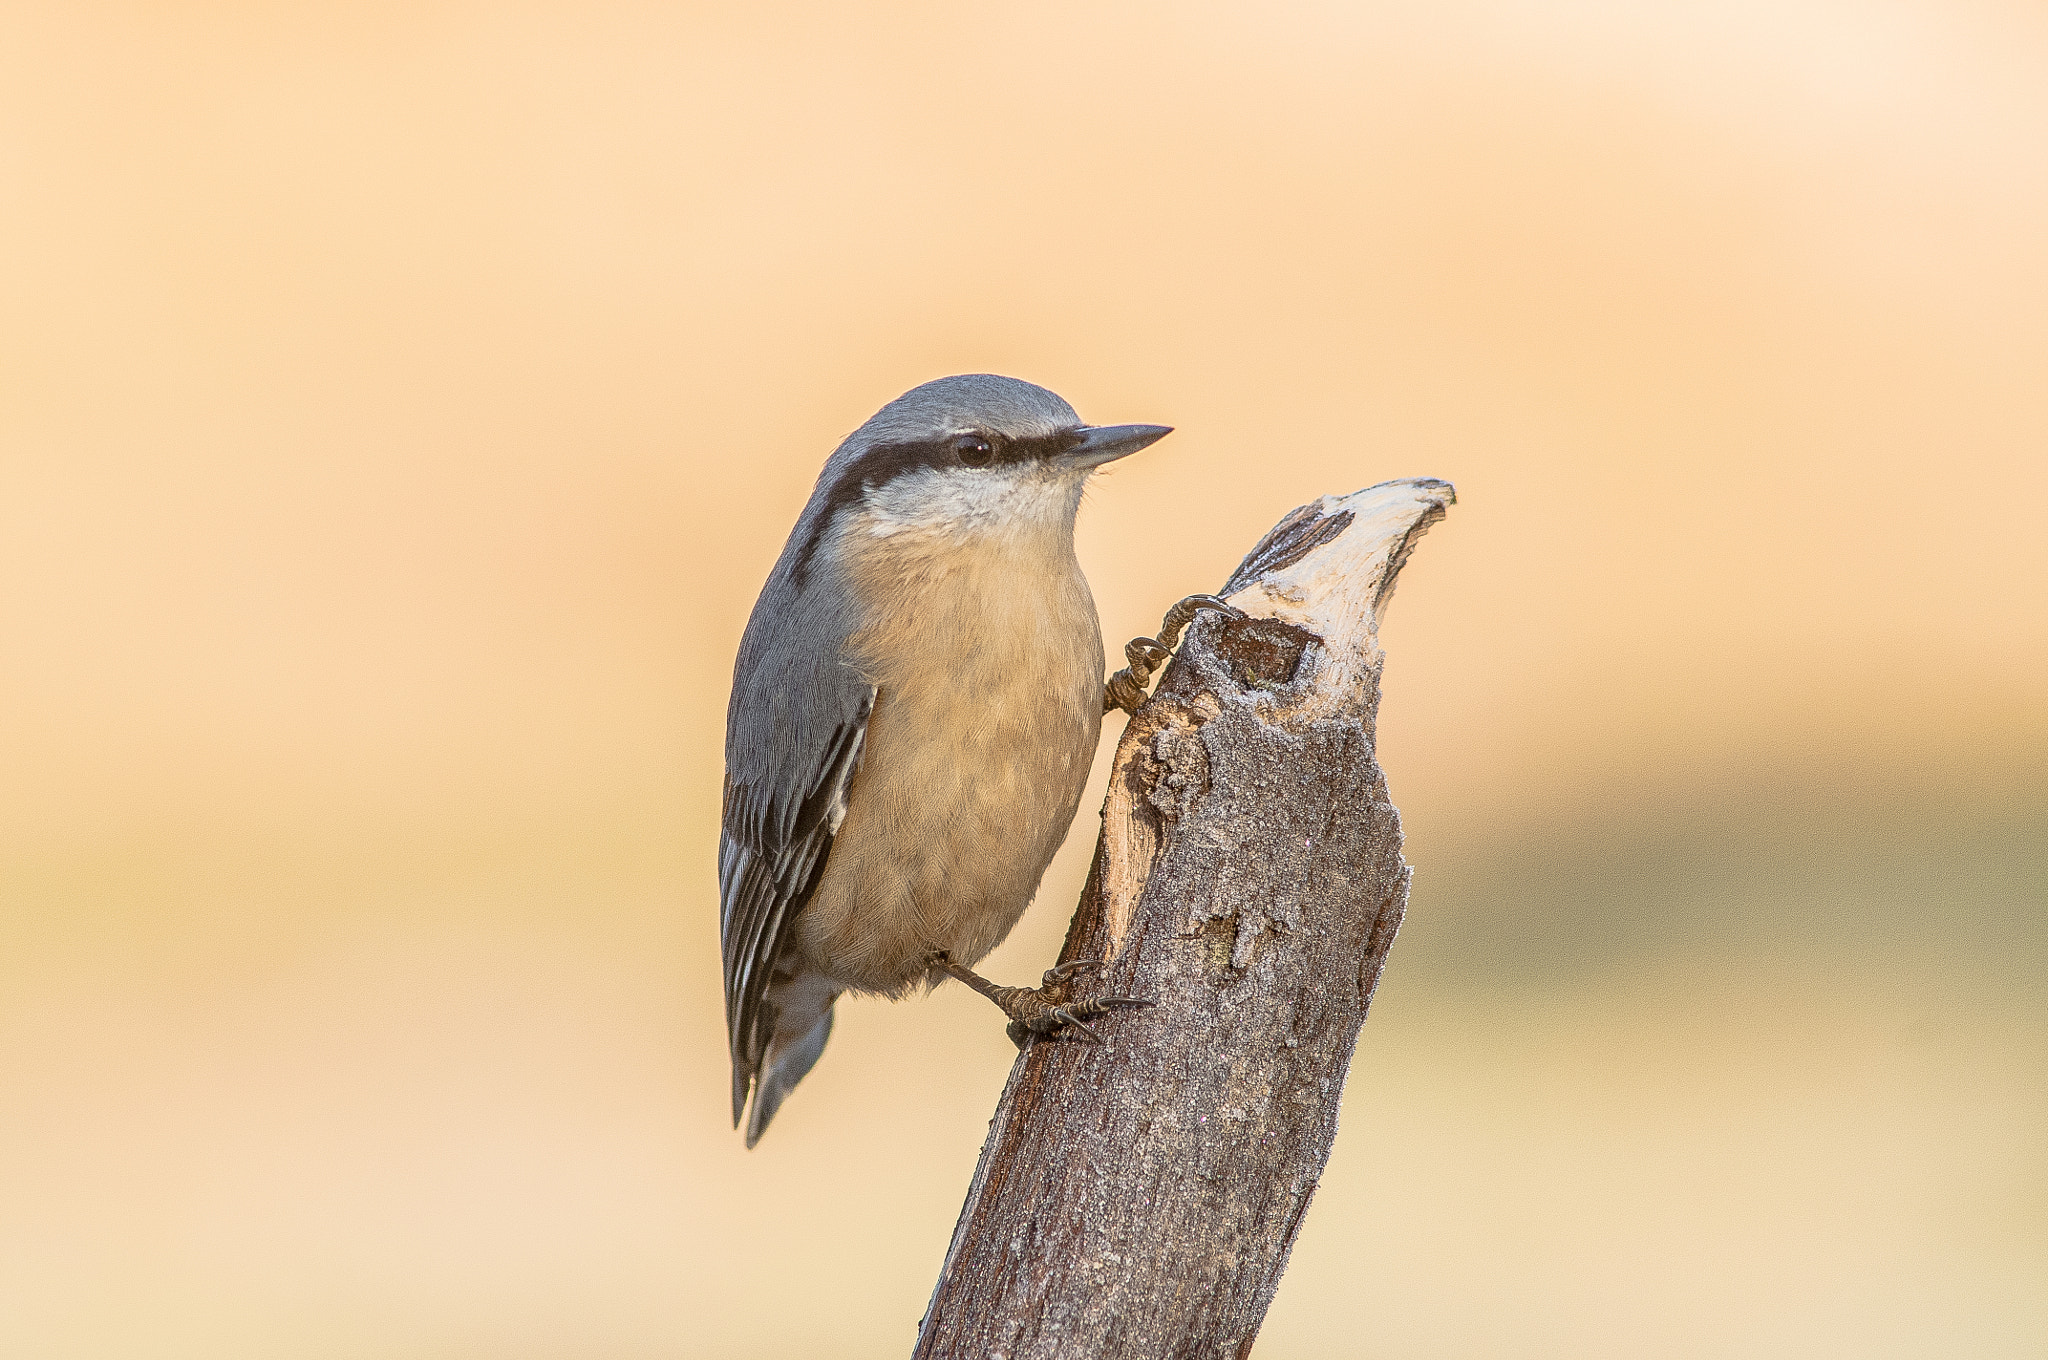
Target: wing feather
pixel 776 833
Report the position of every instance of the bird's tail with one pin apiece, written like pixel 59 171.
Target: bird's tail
pixel 792 1052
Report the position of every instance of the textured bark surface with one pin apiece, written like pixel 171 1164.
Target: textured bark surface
pixel 1139 1199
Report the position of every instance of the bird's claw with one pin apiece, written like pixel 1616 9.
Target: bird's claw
pixel 1060 972
pixel 1075 1015
pixel 1051 1013
pixel 1126 689
pixel 1043 1010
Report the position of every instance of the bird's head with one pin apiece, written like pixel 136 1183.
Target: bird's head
pixel 970 456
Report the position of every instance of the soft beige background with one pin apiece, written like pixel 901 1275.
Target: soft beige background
pixel 401 404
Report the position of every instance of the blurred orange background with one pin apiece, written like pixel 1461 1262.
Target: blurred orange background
pixel 400 407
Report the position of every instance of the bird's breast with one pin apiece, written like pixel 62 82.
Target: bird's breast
pixel 988 644
pixel 988 672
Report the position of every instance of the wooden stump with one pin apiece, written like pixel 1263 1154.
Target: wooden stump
pixel 1139 1199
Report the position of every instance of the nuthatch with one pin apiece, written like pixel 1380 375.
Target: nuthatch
pixel 914 710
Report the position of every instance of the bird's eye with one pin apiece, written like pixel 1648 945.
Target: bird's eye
pixel 973 450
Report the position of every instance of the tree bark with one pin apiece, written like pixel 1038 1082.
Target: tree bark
pixel 1139 1198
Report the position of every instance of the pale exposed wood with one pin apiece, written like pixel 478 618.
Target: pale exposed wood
pixel 1139 1199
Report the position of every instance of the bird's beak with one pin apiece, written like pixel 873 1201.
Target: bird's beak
pixel 1106 443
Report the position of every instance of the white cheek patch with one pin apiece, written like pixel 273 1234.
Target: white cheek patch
pixel 970 500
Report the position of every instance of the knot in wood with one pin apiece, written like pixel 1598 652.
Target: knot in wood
pixel 1262 654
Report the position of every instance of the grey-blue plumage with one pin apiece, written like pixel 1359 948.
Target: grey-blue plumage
pixel 915 703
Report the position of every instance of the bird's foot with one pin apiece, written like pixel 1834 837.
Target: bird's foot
pixel 1126 689
pixel 1045 1009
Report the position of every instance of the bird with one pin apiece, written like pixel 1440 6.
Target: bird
pixel 916 703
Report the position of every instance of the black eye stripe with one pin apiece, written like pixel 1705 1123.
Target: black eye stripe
pixel 884 463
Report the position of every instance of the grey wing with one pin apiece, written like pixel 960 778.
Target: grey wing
pixel 793 744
